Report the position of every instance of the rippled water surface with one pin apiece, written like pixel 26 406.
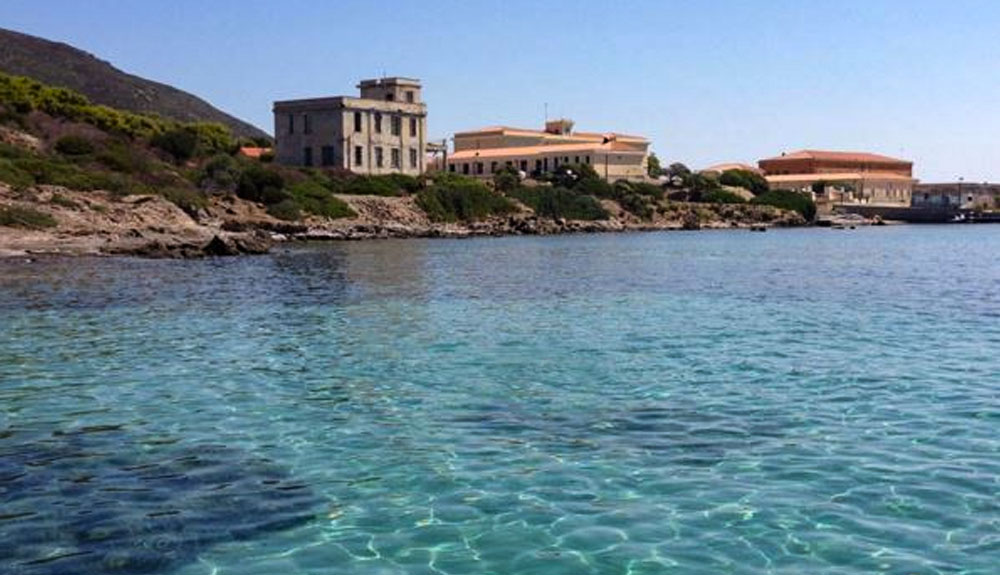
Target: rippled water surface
pixel 804 401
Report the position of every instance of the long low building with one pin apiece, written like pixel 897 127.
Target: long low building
pixel 480 153
pixel 842 177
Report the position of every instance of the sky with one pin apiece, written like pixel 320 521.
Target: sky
pixel 706 81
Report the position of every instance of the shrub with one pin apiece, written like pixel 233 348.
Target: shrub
pixel 312 197
pixel 125 158
pixel 549 202
pixel 788 200
pixel 506 179
pixel 220 174
pixel 459 200
pixel 751 181
pixel 28 218
pixel 14 176
pixel 63 201
pixel 637 204
pixel 74 146
pixel 181 143
pixel 261 184
pixel 287 210
pixel 721 196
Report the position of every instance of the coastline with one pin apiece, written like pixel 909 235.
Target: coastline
pixel 99 224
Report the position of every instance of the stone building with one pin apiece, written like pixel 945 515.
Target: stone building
pixel 957 195
pixel 480 153
pixel 384 131
pixel 845 177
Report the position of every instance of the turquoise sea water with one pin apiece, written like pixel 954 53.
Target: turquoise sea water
pixel 800 401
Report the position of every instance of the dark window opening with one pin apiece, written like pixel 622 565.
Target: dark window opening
pixel 307 156
pixel 357 121
pixel 413 127
pixel 378 123
pixel 379 156
pixel 359 154
pixel 326 156
pixel 409 96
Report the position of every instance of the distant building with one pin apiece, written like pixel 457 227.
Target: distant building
pixel 614 156
pixel 381 132
pixel 957 195
pixel 254 152
pixel 846 177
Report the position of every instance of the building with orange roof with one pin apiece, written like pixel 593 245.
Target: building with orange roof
pixel 842 177
pixel 480 153
pixel 254 152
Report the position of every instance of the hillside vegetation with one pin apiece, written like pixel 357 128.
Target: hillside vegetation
pixel 62 65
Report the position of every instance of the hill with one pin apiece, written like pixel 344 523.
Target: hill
pixel 63 65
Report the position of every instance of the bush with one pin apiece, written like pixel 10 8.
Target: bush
pixel 27 218
pixel 452 199
pixel 287 210
pixel 74 146
pixel 14 176
pixel 63 201
pixel 260 184
pixel 312 197
pixel 220 174
pixel 637 204
pixel 549 202
pixel 788 200
pixel 506 179
pixel 181 143
pixel 721 196
pixel 125 158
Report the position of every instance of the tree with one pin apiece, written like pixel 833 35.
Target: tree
pixel 653 167
pixel 678 169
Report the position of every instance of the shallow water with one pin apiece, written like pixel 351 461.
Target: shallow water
pixel 800 401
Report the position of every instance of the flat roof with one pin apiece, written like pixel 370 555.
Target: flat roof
pixel 836 177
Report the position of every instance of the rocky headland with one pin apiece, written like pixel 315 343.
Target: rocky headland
pixel 99 223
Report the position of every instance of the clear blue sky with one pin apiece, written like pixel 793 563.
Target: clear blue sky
pixel 707 81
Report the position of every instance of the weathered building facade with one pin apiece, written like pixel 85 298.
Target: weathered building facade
pixel 480 153
pixel 384 131
pixel 842 177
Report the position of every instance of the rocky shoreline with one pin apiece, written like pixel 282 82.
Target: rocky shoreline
pixel 96 223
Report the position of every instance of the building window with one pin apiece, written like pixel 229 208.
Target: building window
pixel 545 164
pixel 538 166
pixel 587 159
pixel 465 169
pixel 479 168
pixel 576 160
pixel 524 165
pixel 307 156
pixel 451 168
pixel 357 121
pixel 413 157
pixel 378 123
pixel 390 97
pixel 566 160
pixel 359 156
pixel 306 124
pixel 291 123
pixel 395 157
pixel 397 125
pixel 409 96
pixel 413 127
pixel 326 156
pixel 493 167
pixel 378 156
